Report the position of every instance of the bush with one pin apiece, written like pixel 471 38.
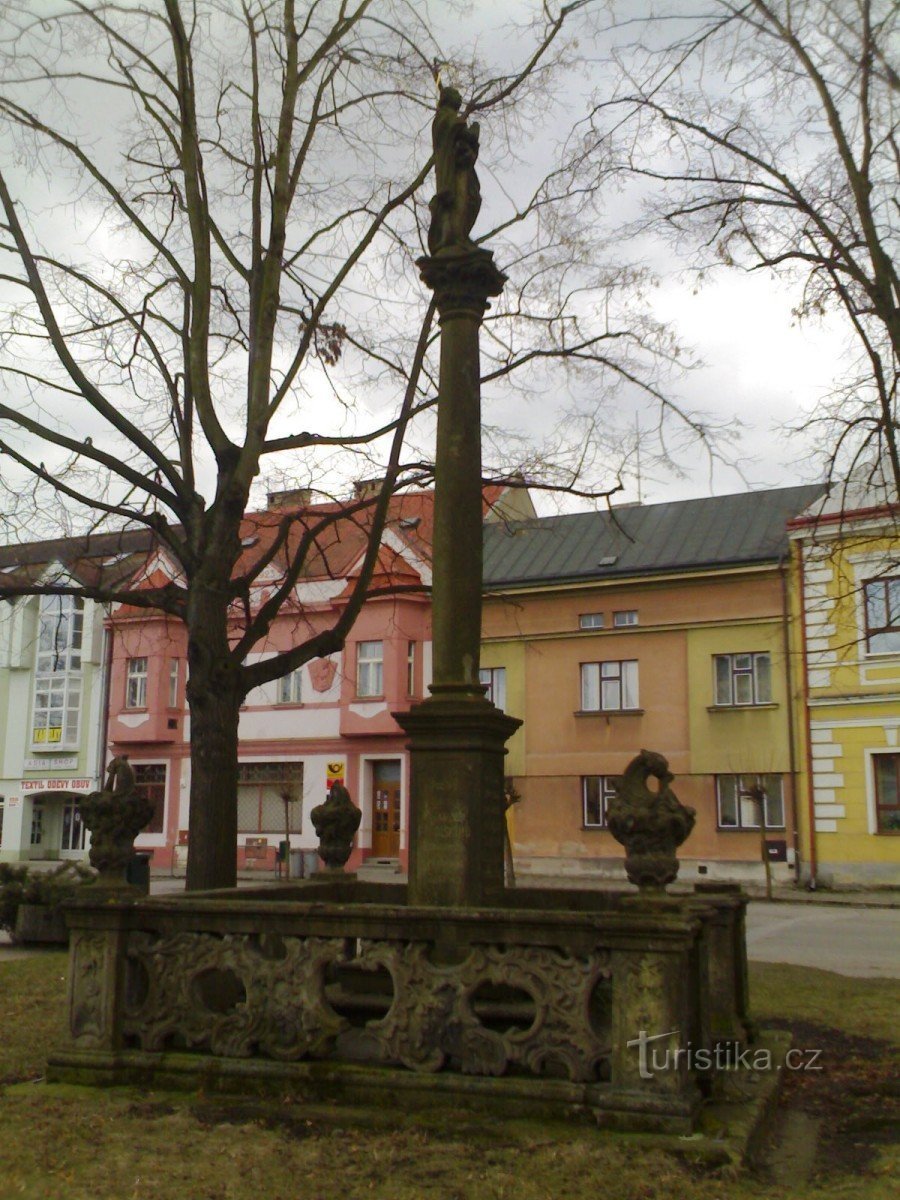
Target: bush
pixel 19 885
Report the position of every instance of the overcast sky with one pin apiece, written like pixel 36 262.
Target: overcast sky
pixel 758 366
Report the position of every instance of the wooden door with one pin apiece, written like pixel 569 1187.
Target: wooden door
pixel 385 812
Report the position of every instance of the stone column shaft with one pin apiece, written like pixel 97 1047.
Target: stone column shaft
pixel 456 593
pixel 457 738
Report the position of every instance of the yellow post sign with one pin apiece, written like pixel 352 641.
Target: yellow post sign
pixel 334 773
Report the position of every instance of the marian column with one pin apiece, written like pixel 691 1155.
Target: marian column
pixel 457 737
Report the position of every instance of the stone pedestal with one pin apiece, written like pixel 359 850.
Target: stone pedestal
pixel 457 810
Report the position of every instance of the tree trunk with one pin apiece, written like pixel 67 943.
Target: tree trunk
pixel 215 697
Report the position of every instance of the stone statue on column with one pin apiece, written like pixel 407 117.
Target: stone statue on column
pixel 457 197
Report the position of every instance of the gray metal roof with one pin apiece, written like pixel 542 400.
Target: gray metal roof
pixel 716 531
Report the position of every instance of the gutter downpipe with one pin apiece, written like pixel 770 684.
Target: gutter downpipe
pixel 810 793
pixel 105 680
pixel 792 732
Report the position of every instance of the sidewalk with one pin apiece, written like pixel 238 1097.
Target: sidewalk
pixel 164 881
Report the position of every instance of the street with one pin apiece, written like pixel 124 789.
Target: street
pixel 851 940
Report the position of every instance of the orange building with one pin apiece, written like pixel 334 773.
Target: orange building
pixel 658 627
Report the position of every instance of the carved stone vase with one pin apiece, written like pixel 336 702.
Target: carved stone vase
pixel 114 819
pixel 335 823
pixel 650 824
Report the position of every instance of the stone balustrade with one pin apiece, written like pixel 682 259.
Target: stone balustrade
pixel 532 1002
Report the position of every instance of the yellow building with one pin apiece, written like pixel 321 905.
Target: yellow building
pixel 659 627
pixel 845 609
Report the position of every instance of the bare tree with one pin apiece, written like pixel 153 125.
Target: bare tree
pixel 212 213
pixel 771 126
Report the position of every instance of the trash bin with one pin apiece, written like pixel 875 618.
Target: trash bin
pixel 137 873
pixel 296 864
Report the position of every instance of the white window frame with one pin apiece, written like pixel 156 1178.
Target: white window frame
pixel 592 620
pixel 56 710
pixel 625 617
pixel 494 678
pixel 370 669
pixel 742 785
pixel 136 681
pixel 605 793
pixel 891 628
pixel 734 673
pixel 411 668
pixel 174 673
pixel 610 686
pixel 290 687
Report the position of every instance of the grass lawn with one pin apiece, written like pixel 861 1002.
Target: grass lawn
pixel 77 1144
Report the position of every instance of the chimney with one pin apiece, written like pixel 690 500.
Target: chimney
pixel 367 489
pixel 290 498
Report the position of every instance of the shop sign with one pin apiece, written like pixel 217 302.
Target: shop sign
pixel 57 785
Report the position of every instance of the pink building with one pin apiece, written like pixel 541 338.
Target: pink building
pixel 329 720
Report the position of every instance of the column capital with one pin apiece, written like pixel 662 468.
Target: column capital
pixel 461 281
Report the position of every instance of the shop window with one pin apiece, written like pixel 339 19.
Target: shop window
pixel 262 788
pixel 150 782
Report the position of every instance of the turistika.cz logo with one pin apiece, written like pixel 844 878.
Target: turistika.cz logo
pixel 656 1054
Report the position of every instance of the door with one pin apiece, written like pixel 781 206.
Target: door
pixel 386 808
pixel 72 841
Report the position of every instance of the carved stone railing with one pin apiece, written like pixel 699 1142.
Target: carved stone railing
pixel 531 1005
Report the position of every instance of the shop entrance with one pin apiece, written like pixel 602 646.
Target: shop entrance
pixel 56 829
pixel 386 808
pixel 72 840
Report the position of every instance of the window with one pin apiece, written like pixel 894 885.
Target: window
pixel 136 683
pixel 262 787
pixel 739 797
pixel 596 793
pixel 494 678
pixel 887 792
pixel 882 615
pixel 37 824
pixel 628 616
pixel 173 683
pixel 410 668
pixel 57 683
pixel 609 686
pixel 150 782
pixel 369 664
pixel 591 621
pixel 290 687
pixel 742 679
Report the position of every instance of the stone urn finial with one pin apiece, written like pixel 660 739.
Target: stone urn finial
pixel 335 823
pixel 115 816
pixel 651 825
